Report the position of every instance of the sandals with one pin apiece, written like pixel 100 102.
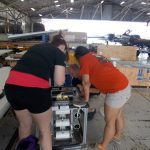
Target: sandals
pixel 99 147
pixel 116 140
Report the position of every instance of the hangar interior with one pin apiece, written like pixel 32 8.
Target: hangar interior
pixel 21 28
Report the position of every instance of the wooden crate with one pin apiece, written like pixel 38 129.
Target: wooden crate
pixel 124 53
pixel 136 76
pixel 20 45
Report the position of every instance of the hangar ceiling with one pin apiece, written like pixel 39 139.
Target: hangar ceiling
pixel 121 10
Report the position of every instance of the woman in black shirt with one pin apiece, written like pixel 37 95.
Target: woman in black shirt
pixel 28 84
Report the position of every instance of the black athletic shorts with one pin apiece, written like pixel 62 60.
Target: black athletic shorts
pixel 36 100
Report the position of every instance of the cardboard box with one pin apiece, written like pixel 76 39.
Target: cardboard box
pixel 72 37
pixel 136 76
pixel 124 53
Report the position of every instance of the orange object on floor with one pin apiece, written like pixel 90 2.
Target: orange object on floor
pixel 100 147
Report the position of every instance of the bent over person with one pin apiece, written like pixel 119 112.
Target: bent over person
pixel 27 87
pixel 110 81
pixel 77 82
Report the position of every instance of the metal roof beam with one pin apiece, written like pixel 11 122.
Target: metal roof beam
pixel 82 10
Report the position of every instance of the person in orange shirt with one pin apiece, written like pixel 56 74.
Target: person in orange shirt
pixel 77 82
pixel 110 81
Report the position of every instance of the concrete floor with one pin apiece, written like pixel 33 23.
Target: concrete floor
pixel 137 123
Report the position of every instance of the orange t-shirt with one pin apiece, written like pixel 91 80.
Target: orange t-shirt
pixel 104 76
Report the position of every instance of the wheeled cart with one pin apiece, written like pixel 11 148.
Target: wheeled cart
pixel 69 120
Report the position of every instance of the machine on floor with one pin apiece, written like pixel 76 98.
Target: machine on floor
pixel 69 119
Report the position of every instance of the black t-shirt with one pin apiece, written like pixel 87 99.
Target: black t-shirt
pixel 40 60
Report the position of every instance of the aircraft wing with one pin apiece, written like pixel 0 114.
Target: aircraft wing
pixel 31 34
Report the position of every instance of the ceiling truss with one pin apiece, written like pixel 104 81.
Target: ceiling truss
pixel 131 10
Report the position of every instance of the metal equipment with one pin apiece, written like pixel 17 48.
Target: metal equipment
pixel 69 121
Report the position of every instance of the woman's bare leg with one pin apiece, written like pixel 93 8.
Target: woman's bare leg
pixel 110 118
pixel 25 123
pixel 119 125
pixel 42 121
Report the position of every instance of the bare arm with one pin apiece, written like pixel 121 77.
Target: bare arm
pixel 59 75
pixel 86 86
pixel 80 86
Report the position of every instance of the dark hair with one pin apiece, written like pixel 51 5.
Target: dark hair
pixel 59 40
pixel 81 51
pixel 93 48
pixel 74 66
